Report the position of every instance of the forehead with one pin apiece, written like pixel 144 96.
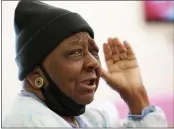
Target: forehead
pixel 79 38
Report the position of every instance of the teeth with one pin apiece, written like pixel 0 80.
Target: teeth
pixel 93 85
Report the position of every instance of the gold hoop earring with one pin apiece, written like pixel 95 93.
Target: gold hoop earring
pixel 39 82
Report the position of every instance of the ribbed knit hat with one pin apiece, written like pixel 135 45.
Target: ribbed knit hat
pixel 39 29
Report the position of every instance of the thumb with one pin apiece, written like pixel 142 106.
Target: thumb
pixel 105 75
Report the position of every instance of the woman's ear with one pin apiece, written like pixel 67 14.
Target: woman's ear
pixel 35 79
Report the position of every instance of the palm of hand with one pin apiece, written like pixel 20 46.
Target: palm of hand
pixel 123 71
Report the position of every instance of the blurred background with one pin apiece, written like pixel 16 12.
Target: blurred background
pixel 148 26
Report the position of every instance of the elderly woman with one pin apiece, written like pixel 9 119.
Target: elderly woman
pixel 60 69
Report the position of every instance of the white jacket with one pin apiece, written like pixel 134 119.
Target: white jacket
pixel 29 112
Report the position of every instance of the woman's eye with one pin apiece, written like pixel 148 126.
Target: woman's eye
pixel 94 52
pixel 76 53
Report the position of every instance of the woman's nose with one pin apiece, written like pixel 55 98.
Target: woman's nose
pixel 91 62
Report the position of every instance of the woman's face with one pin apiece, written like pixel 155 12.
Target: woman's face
pixel 75 67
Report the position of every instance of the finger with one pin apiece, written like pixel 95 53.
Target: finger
pixel 122 54
pixel 114 50
pixel 107 52
pixel 121 49
pixel 130 52
pixel 108 55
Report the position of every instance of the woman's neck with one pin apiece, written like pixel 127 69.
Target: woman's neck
pixel 38 93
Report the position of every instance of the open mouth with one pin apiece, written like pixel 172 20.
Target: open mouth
pixel 89 82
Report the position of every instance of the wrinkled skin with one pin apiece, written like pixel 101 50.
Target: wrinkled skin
pixel 75 61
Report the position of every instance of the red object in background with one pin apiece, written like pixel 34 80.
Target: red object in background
pixel 159 10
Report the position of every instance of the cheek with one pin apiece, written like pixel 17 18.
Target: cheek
pixel 98 73
pixel 71 71
pixel 65 76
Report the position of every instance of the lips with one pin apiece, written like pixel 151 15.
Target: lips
pixel 88 88
pixel 89 82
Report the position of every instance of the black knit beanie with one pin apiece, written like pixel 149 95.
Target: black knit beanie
pixel 39 29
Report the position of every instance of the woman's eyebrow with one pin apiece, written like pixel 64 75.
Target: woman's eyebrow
pixel 76 42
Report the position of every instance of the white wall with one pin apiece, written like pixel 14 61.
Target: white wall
pixel 153 43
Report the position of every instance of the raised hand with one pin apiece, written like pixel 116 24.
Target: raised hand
pixel 123 74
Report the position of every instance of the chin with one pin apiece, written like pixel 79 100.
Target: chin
pixel 85 99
